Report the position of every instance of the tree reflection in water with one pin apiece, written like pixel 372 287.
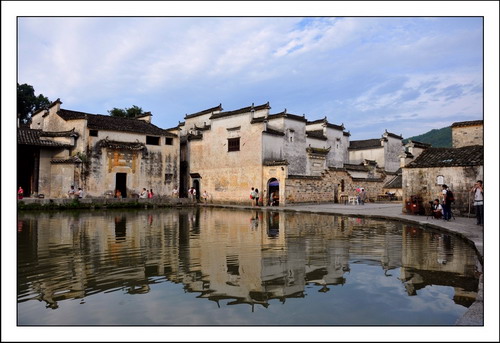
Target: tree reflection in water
pixel 216 255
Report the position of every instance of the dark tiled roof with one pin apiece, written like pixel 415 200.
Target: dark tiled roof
pixel 284 114
pixel 318 134
pixel 420 144
pixel 467 123
pixel 306 177
pixel 317 151
pixel 325 121
pixel 43 109
pixel 241 110
pixel 258 120
pixel 276 163
pixel 72 159
pixel 393 135
pixel 347 134
pixel 70 133
pixel 396 182
pixel 365 144
pixel 207 111
pixel 202 128
pixel 356 167
pixel 110 123
pixel 32 137
pixel 105 143
pixel 274 132
pixel 449 157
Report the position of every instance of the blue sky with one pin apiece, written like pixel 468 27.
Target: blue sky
pixel 404 74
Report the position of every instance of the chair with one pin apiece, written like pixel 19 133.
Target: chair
pixel 353 200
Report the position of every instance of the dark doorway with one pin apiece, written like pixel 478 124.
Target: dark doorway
pixel 121 184
pixel 27 169
pixel 273 191
pixel 196 185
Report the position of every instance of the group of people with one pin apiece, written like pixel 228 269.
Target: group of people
pixel 362 196
pixel 73 193
pixel 443 209
pixel 146 194
pixel 255 198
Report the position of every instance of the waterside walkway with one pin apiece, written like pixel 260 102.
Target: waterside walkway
pixel 463 227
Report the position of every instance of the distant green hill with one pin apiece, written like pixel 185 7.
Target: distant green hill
pixel 438 138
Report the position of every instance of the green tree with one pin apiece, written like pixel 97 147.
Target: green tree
pixel 28 103
pixel 131 112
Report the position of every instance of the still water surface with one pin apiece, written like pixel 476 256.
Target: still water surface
pixel 210 266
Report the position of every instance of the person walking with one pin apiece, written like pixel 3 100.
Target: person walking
pixel 478 192
pixel 20 193
pixel 362 196
pixel 252 196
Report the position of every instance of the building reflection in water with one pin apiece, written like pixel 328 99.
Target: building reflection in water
pixel 237 256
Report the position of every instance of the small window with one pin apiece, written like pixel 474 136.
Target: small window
pixel 169 178
pixel 93 133
pixel 169 141
pixel 150 140
pixel 233 144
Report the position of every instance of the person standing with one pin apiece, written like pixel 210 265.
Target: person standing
pixel 257 195
pixel 362 196
pixel 205 196
pixel 175 192
pixel 252 196
pixel 71 192
pixel 20 193
pixel 478 192
pixel 446 204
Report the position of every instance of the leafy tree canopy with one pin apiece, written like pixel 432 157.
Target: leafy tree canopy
pixel 438 138
pixel 28 103
pixel 131 112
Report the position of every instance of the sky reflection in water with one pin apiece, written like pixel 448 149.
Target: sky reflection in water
pixel 231 267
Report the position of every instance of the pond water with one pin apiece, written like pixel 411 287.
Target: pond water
pixel 209 266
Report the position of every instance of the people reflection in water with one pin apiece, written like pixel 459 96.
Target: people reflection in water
pixel 274 224
pixel 254 221
pixel 120 228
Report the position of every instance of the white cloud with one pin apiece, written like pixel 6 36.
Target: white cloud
pixel 371 69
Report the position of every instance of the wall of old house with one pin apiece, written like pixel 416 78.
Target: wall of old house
pixel 336 155
pixel 335 139
pixel 293 143
pixel 375 154
pixel 327 187
pixel 393 149
pixel 467 135
pixel 427 183
pixel 278 172
pixel 228 175
pixel 144 168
